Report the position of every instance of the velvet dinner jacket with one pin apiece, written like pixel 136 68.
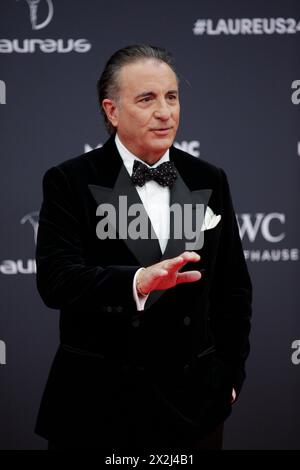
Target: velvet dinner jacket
pixel 90 280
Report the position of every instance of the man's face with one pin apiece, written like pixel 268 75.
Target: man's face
pixel 146 114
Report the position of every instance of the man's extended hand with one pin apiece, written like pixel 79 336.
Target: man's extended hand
pixel 165 274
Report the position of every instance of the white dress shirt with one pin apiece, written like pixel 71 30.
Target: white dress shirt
pixel 156 200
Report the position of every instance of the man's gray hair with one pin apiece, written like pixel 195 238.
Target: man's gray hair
pixel 108 83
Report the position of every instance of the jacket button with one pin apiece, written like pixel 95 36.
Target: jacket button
pixel 109 308
pixel 119 308
pixel 187 321
pixel 135 322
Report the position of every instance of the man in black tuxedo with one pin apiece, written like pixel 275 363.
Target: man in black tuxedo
pixel 154 329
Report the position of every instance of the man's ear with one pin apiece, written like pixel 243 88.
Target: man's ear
pixel 111 111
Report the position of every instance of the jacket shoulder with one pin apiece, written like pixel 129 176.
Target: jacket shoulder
pixel 196 168
pixel 77 168
pixel 79 163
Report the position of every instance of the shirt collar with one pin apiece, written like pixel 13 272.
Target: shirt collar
pixel 128 157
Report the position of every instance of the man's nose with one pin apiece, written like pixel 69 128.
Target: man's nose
pixel 162 111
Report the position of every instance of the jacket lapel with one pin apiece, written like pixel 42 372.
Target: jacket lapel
pixel 181 195
pixel 122 196
pixel 118 190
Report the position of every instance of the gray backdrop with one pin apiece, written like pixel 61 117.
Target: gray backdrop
pixel 240 93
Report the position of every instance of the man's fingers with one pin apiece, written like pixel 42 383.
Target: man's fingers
pixel 186 257
pixel 190 256
pixel 167 273
pixel 156 273
pixel 174 263
pixel 188 276
pixel 152 277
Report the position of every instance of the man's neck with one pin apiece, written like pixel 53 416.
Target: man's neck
pixel 149 159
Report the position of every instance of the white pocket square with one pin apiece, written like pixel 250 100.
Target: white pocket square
pixel 210 220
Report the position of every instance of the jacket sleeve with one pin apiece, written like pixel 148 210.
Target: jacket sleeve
pixel 231 297
pixel 64 279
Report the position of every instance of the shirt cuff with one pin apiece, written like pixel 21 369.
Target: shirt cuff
pixel 140 300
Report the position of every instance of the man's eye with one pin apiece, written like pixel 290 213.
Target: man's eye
pixel 172 97
pixel 146 99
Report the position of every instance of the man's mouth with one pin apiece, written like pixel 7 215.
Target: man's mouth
pixel 161 130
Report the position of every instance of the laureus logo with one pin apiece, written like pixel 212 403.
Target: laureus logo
pixel 33 219
pixel 23 266
pixel 40 14
pixel 33 12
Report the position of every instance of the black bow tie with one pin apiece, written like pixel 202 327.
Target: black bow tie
pixel 164 174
